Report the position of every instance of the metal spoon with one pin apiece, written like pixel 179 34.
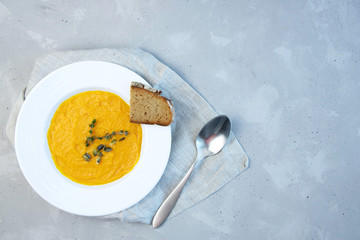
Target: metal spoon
pixel 210 140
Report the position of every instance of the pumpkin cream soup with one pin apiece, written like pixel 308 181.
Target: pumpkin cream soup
pixel 91 139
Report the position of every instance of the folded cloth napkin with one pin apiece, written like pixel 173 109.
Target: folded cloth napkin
pixel 192 112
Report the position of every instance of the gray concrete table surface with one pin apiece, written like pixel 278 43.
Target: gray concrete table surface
pixel 287 74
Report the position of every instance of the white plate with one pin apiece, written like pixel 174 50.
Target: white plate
pixel 34 155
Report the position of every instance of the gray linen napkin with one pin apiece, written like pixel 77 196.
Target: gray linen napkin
pixel 192 112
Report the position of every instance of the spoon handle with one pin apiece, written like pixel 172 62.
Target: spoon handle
pixel 166 207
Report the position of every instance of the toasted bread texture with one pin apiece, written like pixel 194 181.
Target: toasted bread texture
pixel 148 107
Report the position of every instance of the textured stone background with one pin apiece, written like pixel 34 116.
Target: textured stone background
pixel 286 72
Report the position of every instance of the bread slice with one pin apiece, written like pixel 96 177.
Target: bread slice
pixel 148 107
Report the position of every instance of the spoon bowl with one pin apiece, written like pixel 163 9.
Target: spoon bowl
pixel 213 136
pixel 210 140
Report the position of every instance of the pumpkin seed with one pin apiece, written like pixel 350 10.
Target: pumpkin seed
pixel 87 157
pixel 107 149
pixel 113 142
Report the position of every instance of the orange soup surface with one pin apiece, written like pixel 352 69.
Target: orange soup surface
pixel 69 134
